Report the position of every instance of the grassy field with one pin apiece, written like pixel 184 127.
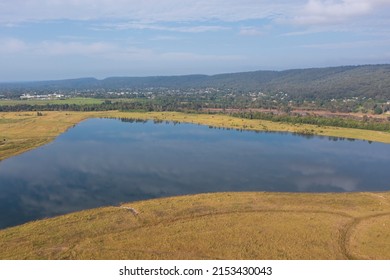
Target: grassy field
pixel 22 131
pixel 214 226
pixel 75 100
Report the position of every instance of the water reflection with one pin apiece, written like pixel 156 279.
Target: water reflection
pixel 105 162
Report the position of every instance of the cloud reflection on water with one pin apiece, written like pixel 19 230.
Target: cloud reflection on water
pixel 105 162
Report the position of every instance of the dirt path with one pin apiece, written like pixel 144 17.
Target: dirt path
pixel 346 235
pixel 343 236
pixel 345 232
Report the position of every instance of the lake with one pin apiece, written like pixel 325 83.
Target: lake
pixel 103 162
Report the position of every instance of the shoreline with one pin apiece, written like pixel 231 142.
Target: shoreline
pixel 246 225
pixel 23 131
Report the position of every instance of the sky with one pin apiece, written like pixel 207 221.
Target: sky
pixel 60 39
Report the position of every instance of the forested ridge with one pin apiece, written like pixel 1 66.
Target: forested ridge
pixel 369 81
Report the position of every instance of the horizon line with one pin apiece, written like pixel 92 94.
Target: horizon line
pixel 184 75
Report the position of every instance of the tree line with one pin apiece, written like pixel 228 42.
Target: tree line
pixel 169 105
pixel 366 123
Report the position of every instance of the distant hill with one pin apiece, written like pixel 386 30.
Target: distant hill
pixel 344 81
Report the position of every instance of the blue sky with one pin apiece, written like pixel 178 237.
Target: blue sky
pixel 56 39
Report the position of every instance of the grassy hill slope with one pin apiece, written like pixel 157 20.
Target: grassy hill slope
pixel 214 226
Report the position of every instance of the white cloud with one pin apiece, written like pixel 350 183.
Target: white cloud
pixel 251 31
pixel 335 11
pixel 80 59
pixel 348 45
pixel 160 27
pixel 73 48
pixel 146 10
pixel 165 38
pixel 151 14
pixel 17 46
pixel 11 45
pixel 124 42
pixel 103 49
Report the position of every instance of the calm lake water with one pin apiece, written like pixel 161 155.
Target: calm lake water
pixel 104 162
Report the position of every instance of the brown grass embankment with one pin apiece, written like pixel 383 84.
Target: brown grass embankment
pixel 214 226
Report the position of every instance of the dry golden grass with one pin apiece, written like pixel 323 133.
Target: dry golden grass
pixel 370 236
pixel 370 239
pixel 214 226
pixel 23 131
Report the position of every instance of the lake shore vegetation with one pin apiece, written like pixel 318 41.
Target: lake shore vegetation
pixel 23 131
